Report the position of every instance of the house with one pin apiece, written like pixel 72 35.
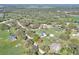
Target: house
pixel 55 47
pixel 58 11
pixel 74 35
pixel 34 26
pixel 51 35
pixel 43 34
pixel 77 34
pixel 44 26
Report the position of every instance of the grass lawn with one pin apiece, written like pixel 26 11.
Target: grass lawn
pixel 7 47
pixel 4 34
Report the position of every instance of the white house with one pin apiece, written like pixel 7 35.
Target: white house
pixel 55 47
pixel 44 26
pixel 51 35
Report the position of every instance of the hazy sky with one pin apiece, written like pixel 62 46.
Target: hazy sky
pixel 39 1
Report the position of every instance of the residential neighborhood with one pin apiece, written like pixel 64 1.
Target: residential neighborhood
pixel 27 30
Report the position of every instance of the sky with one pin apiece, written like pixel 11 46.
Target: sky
pixel 39 1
